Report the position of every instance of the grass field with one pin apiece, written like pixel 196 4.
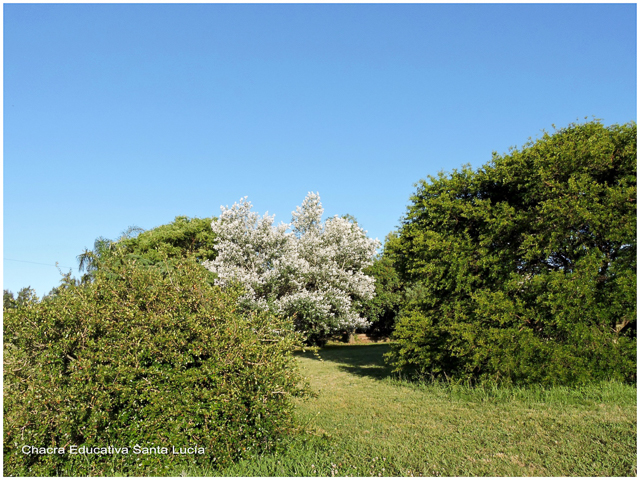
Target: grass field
pixel 363 421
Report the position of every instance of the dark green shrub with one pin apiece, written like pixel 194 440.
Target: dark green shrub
pixel 149 356
pixel 525 270
pixel 383 308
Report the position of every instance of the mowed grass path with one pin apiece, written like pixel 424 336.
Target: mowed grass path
pixel 365 422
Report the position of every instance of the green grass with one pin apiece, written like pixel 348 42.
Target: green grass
pixel 364 421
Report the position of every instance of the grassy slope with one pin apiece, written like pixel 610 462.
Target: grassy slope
pixel 363 422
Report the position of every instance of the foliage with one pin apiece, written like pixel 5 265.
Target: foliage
pixel 89 260
pixel 384 307
pixel 312 273
pixel 144 354
pixel 525 270
pixel 181 238
pixel 8 301
pixel 26 296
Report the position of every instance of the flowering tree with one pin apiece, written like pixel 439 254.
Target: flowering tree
pixel 306 269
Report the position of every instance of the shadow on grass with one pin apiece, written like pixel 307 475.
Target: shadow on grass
pixel 362 360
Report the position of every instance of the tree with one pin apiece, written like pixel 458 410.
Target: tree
pixel 89 260
pixel 181 238
pixel 525 270
pixel 184 237
pixel 382 310
pixel 312 273
pixel 26 296
pixel 8 301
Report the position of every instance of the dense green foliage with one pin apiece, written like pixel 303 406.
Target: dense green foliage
pixel 384 307
pixel 525 270
pixel 147 355
pixel 25 296
pixel 181 238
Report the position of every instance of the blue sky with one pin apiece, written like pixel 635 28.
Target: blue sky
pixel 119 115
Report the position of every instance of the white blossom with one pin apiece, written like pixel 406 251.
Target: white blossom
pixel 306 269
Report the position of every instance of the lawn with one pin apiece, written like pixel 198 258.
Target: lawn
pixel 364 421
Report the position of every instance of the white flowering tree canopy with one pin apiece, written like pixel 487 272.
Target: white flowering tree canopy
pixel 309 270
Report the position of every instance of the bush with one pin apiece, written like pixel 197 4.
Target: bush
pixel 525 270
pixel 149 356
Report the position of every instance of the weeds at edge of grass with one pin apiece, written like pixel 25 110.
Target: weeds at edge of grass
pixel 608 392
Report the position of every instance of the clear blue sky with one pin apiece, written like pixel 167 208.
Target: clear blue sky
pixel 119 115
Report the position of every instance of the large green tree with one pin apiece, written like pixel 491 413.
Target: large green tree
pixel 184 237
pixel 525 269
